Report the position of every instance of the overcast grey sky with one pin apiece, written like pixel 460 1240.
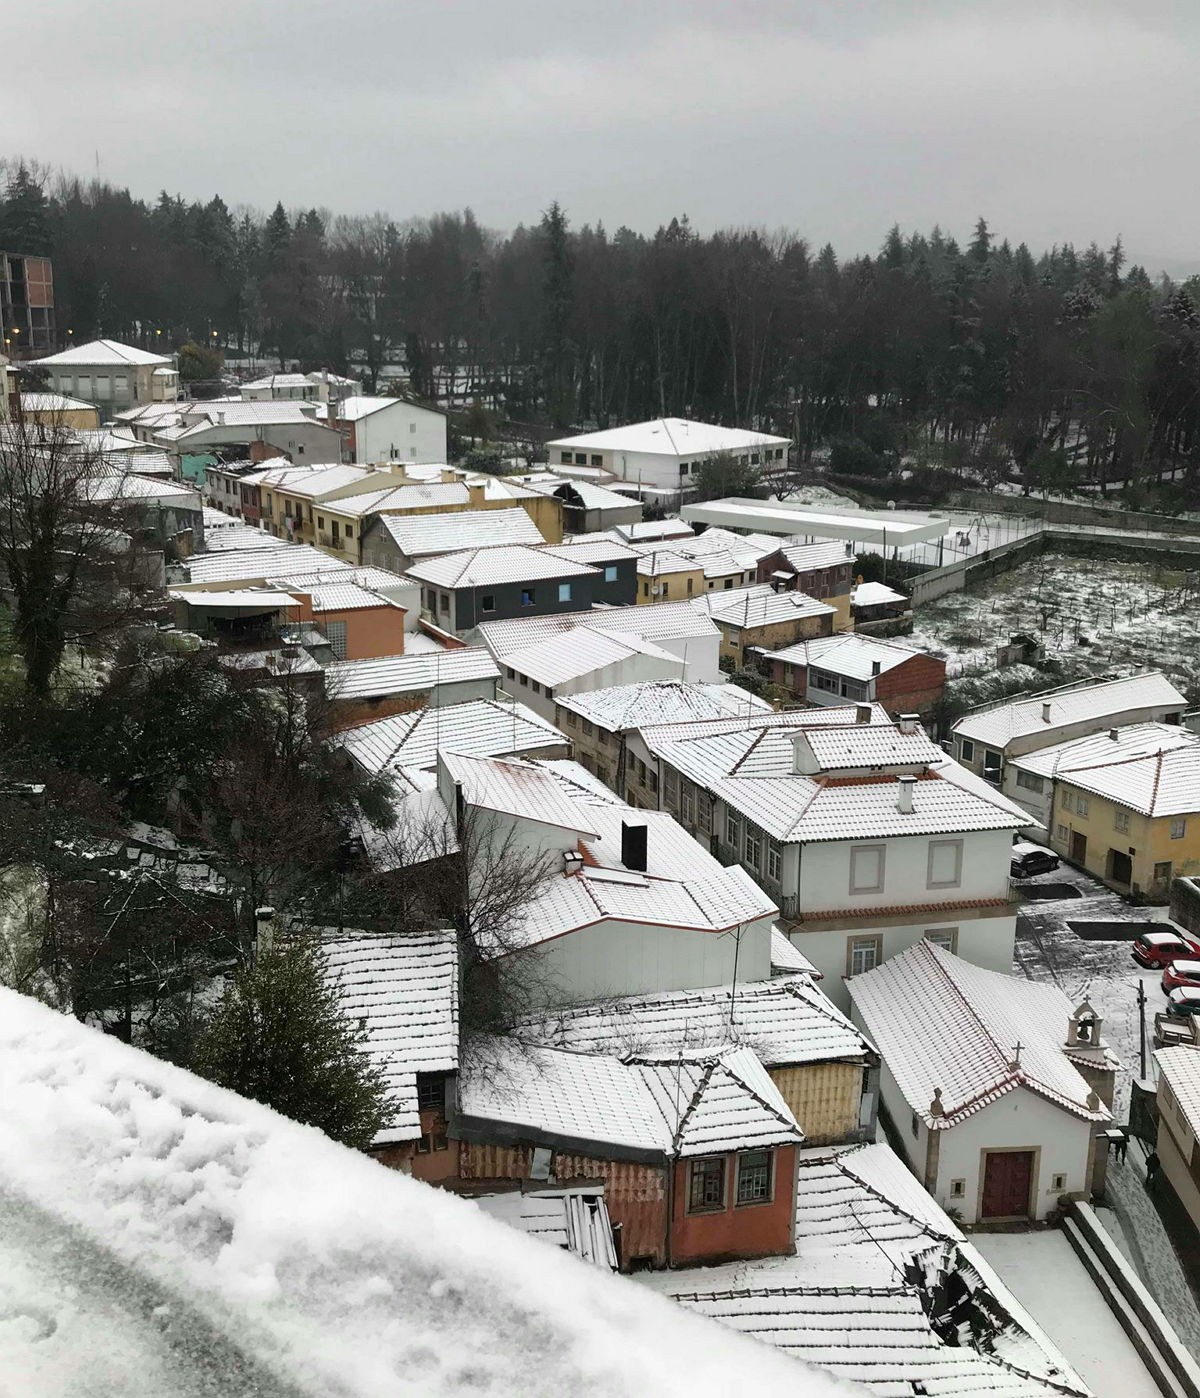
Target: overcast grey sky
pixel 1059 120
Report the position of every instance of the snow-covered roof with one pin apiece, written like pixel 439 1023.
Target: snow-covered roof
pixel 594 551
pixel 670 436
pixel 661 622
pixel 374 579
pixel 338 595
pixel 1179 1067
pixel 663 563
pixel 786 957
pixel 653 529
pixel 479 728
pixel 885 528
pixel 759 605
pixel 574 1219
pixel 320 483
pixel 825 553
pixel 786 1020
pixel 400 674
pixel 236 413
pixel 849 654
pixel 403 991
pixel 623 706
pixel 280 381
pixel 1105 701
pixel 948 1031
pixel 589 495
pixel 486 567
pixel 54 403
pixel 875 594
pixel 355 408
pixel 1152 768
pixel 161 1235
pixel 406 496
pixel 858 1298
pixel 750 765
pixel 235 535
pixel 580 651
pixel 684 1105
pixel 421 536
pixel 237 565
pixel 237 599
pixel 102 352
pixel 517 788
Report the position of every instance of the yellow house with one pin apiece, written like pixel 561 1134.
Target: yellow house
pixel 760 618
pixel 665 576
pixel 57 410
pixel 1124 805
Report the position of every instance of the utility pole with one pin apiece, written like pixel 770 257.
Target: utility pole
pixel 1141 1002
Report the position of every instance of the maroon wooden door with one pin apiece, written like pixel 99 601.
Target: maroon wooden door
pixel 1007 1176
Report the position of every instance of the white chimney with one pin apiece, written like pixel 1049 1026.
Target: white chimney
pixel 804 760
pixel 862 713
pixel 908 723
pixel 572 861
pixel 904 794
pixel 1046 711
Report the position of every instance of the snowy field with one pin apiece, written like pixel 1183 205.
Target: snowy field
pixel 1092 615
pixel 1049 1280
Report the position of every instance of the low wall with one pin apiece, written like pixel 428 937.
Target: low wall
pixel 953 577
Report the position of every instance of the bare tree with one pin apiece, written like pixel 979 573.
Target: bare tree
pixel 68 545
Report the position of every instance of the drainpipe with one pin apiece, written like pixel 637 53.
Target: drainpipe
pixel 671 1160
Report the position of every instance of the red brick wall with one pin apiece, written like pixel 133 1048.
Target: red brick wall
pixel 913 687
pixel 753 1230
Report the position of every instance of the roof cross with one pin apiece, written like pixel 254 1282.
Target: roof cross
pixel 1017 1047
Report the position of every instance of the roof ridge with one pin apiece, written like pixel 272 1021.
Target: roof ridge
pixel 701 1086
pixel 1157 782
pixel 926 948
pixel 922 1223
pixel 741 1081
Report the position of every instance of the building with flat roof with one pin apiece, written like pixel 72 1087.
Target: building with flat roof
pixel 869 529
pixel 26 304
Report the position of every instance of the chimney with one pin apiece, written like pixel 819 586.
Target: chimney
pixel 1045 710
pixel 849 549
pixel 904 794
pixel 862 713
pixel 475 495
pixel 264 930
pixel 908 723
pixel 633 846
pixel 572 861
pixel 1114 735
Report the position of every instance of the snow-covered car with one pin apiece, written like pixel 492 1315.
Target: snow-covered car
pixel 1185 971
pixel 1184 1002
pixel 1028 860
pixel 1160 949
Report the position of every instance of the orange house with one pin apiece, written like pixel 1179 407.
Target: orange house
pixel 360 625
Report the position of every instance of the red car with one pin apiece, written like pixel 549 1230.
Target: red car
pixel 1185 971
pixel 1161 949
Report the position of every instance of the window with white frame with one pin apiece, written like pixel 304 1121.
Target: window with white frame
pixel 754 1177
pixel 866 869
pixel 774 861
pixel 753 850
pixel 687 807
pixel 944 867
pixel 1065 801
pixel 863 954
pixel 944 937
pixel 966 750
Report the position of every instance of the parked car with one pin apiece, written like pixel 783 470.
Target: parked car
pixel 1181 972
pixel 1160 949
pixel 1184 1002
pixel 1028 860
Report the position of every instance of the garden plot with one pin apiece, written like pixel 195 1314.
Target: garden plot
pixel 1090 615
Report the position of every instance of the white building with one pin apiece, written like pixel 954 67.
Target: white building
pixel 885 530
pixel 996 1086
pixel 1178 1143
pixel 321 386
pixel 113 376
pixel 985 739
pixel 390 429
pixel 663 454
pixel 867 836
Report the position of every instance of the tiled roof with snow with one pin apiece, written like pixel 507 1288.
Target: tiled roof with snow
pixel 568 655
pixel 102 352
pixel 338 595
pixel 373 579
pixel 401 674
pixel 875 594
pixel 484 567
pixel 978 1016
pixel 479 728
pixel 855 1299
pixel 1105 701
pixel 1152 768
pixel 662 622
pixel 422 536
pixel 664 562
pixel 594 551
pixel 670 436
pixel 653 529
pixel 759 605
pixel 414 495
pixel 823 554
pixel 785 1020
pixel 245 565
pixel 851 655
pixel 693 1104
pixel 1179 1066
pixel 356 408
pixel 320 483
pixel 624 706
pixel 403 991
pixel 515 787
pixel 786 957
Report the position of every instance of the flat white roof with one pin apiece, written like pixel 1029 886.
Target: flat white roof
pixel 884 528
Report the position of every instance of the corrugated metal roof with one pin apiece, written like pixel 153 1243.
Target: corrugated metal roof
pixel 401 674
pixel 1108 700
pixel 980 1016
pixel 403 991
pixel 422 536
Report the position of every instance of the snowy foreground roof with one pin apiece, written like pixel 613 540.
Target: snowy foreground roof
pixel 883 1290
pixel 402 674
pixel 1091 703
pixel 979 1016
pixel 161 1235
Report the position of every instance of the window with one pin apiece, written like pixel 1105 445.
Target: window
pixel 431 1092
pixel 754 1177
pixel 1029 780
pixel 690 583
pixel 564 592
pixel 581 458
pixel 533 684
pixel 488 602
pixel 1162 872
pixel 564 458
pixel 866 869
pixel 914 1124
pixel 774 861
pixel 1178 827
pixel 863 954
pixel 572 718
pixel 1121 821
pixel 525 680
pixel 731 830
pixel 706 1184
pixel 349 531
pixel 1066 799
pixel 1060 832
pixel 1058 1183
pixel 432 1141
pixel 412 427
pixel 753 845
pixel 444 602
pixel 958 1189
pixel 610 572
pixel 946 937
pixel 597 460
pixel 527 596
pixel 671 788
pixel 320 521
pixel 588 728
pixel 1082 805
pixel 510 672
pixel 966 750
pixel 335 634
pixel 334 528
pixel 944 868
pixel 688 803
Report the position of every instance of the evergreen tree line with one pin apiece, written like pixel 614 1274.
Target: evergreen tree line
pixel 1069 363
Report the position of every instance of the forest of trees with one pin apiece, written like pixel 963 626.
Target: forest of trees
pixel 1070 364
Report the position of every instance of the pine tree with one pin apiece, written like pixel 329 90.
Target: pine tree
pixel 981 242
pixel 281 1038
pixel 24 222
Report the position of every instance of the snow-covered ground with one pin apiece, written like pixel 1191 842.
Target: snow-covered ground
pixel 1049 1280
pixel 1093 615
